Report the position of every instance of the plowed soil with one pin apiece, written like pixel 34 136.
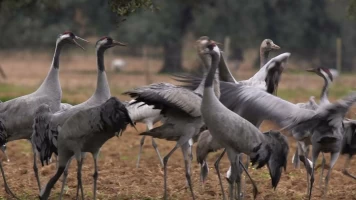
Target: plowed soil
pixel 118 176
pixel 120 179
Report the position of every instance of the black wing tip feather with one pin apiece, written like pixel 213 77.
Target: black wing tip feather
pixel 188 81
pixel 274 153
pixel 115 114
pixel 279 154
pixel 41 137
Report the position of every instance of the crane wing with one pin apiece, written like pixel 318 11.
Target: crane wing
pixel 167 96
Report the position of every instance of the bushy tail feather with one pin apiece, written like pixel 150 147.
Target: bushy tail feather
pixel 42 138
pixel 279 154
pixel 115 115
pixel 273 153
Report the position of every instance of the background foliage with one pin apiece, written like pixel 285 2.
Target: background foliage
pixel 306 28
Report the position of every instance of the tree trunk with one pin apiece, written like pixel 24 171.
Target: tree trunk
pixel 173 47
pixel 172 57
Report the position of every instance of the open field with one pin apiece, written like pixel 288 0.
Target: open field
pixel 118 177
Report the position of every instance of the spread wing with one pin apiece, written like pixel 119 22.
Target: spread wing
pixel 167 96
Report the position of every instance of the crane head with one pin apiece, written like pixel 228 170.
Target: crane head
pixel 268 45
pixel 70 38
pixel 107 42
pixel 324 72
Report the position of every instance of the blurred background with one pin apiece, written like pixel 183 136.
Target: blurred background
pixel 308 29
pixel 161 35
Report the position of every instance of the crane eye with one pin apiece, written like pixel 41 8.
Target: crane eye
pixel 268 43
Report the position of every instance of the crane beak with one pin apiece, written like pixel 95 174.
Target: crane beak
pixel 213 41
pixel 274 46
pixel 117 43
pixel 76 43
pixel 311 70
pixel 79 38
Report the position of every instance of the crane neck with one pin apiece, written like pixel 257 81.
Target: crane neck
pixel 207 65
pixel 214 65
pixel 57 52
pixel 325 91
pixel 224 72
pixel 263 57
pixel 51 82
pixel 102 85
pixel 100 59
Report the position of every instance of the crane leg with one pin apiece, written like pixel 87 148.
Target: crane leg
pixel 65 175
pixel 243 187
pixel 308 183
pixel 165 161
pixel 322 171
pixel 238 179
pixel 79 177
pixel 233 158
pixel 35 168
pixel 142 141
pixel 232 179
pixel 3 149
pixel 333 159
pixel 347 163
pixel 314 158
pixel 295 159
pixel 7 188
pixel 216 165
pixel 187 154
pixel 303 156
pixel 96 174
pixel 45 192
pixel 62 160
pixel 156 149
pixel 255 190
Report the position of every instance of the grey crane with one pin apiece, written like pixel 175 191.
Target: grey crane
pixel 3 147
pixel 348 144
pixel 16 115
pixel 63 106
pixel 266 47
pixel 268 148
pixel 140 112
pixel 349 125
pixel 261 80
pixel 87 131
pixel 304 138
pixel 323 138
pixel 240 98
pixel 45 123
pixel 181 108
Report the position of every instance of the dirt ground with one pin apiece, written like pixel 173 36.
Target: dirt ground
pixel 118 176
pixel 120 179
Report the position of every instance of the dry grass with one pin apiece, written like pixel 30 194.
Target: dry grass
pixel 118 177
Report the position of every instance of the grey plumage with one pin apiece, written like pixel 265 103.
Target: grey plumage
pixel 349 144
pixel 181 108
pixel 273 108
pixel 304 138
pixel 51 121
pixel 16 115
pixel 328 129
pixel 140 112
pixel 249 141
pixel 256 81
pixel 86 131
